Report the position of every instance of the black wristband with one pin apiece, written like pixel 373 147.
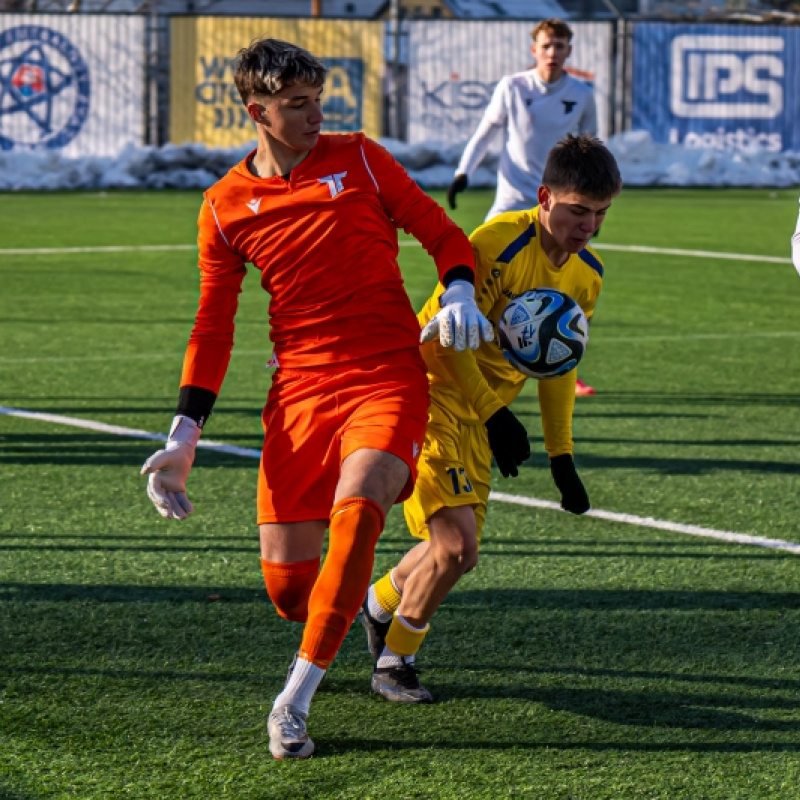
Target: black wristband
pixel 196 403
pixel 460 273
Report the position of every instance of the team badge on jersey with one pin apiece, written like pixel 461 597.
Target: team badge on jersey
pixel 334 182
pixel 45 89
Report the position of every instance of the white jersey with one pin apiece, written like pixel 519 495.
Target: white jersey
pixel 796 246
pixel 535 115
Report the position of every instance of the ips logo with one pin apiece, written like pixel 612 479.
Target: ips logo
pixel 727 77
pixel 44 88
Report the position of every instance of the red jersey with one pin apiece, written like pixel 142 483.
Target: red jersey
pixel 325 242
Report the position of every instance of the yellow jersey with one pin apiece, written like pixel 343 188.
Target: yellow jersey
pixel 509 260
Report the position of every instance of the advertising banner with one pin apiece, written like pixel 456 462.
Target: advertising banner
pixel 717 86
pixel 205 105
pixel 72 83
pixel 454 67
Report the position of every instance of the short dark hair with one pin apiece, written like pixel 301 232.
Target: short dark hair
pixel 269 65
pixel 582 164
pixel 555 27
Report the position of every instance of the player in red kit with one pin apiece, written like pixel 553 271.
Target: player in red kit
pixel 317 214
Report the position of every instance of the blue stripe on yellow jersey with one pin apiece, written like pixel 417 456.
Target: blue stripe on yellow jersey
pixel 517 245
pixel 477 383
pixel 592 261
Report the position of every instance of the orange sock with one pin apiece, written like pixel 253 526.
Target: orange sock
pixel 289 586
pixel 356 523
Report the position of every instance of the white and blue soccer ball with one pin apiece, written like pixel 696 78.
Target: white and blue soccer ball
pixel 543 333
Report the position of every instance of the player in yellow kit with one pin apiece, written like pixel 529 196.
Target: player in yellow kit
pixel 469 419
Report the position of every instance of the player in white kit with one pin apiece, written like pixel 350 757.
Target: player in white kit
pixel 796 246
pixel 535 109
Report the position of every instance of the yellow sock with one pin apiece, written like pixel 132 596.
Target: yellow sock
pixel 386 593
pixel 404 639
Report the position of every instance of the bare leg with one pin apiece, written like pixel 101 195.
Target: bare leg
pixel 426 574
pixel 367 473
pixel 408 563
pixel 452 551
pixel 283 542
pixel 373 474
pixel 370 481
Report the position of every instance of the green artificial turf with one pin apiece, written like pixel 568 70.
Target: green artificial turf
pixel 584 658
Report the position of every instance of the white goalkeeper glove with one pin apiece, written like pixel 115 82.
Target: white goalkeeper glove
pixel 169 468
pixel 460 323
pixel 796 251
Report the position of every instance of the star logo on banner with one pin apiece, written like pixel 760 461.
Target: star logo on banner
pixel 29 84
pixel 45 88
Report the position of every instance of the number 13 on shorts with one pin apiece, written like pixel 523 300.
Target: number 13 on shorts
pixel 460 479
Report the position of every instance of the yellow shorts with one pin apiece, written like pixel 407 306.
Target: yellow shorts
pixel 454 469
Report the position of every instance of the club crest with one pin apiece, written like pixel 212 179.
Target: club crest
pixel 45 89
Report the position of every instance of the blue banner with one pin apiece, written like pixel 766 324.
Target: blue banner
pixel 724 87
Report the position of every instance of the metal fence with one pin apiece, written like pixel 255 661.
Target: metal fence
pixel 92 84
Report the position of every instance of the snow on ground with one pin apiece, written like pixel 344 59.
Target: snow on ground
pixel 194 166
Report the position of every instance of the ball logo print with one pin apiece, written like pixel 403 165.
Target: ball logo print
pixel 727 77
pixel 45 89
pixel 543 333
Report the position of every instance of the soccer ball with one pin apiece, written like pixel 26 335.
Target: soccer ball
pixel 543 333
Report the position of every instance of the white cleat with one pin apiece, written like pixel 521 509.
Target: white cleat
pixel 287 734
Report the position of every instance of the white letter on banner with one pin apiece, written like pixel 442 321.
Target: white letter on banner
pixel 707 68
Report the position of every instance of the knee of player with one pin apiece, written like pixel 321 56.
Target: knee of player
pixel 458 552
pixel 454 538
pixel 469 558
pixel 289 586
pixel 294 613
pixel 291 604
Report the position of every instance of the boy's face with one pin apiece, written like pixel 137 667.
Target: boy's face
pixel 550 53
pixel 571 218
pixel 292 117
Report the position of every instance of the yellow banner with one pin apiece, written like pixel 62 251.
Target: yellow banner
pixel 205 106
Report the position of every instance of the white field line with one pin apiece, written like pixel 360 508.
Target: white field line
pixel 649 522
pixel 117 430
pixel 665 251
pixel 669 251
pixel 121 357
pixel 246 452
pixel 122 248
pixel 623 248
pixel 689 337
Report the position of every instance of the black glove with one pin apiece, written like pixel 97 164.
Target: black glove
pixel 458 185
pixel 573 494
pixel 508 441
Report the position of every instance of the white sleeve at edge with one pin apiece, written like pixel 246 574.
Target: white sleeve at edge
pixel 589 121
pixel 493 120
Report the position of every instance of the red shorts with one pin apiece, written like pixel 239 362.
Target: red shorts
pixel 315 418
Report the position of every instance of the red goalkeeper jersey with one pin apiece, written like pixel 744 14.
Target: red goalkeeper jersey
pixel 325 243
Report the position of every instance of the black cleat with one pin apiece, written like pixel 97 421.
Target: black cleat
pixel 376 632
pixel 400 684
